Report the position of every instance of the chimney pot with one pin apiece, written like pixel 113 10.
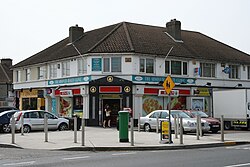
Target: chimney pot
pixel 174 29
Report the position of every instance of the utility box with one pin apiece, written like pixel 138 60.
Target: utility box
pixel 123 126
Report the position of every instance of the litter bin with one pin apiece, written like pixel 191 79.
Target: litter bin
pixel 123 126
pixel 71 123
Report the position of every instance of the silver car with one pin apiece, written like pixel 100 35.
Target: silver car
pixel 34 120
pixel 149 122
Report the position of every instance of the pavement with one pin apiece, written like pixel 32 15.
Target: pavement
pixel 107 139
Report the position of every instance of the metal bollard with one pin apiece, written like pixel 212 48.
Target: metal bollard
pixel 75 129
pixel 222 128
pixel 132 130
pixel 46 127
pixel 175 127
pixel 83 131
pixel 157 124
pixel 13 129
pixel 22 124
pixel 200 126
pixel 178 125
pixel 181 130
pixel 197 127
pixel 139 127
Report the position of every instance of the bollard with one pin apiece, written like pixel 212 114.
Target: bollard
pixel 197 127
pixel 157 124
pixel 75 129
pixel 175 127
pixel 200 126
pixel 132 130
pixel 13 129
pixel 222 128
pixel 22 124
pixel 139 117
pixel 83 131
pixel 181 131
pixel 46 127
pixel 178 125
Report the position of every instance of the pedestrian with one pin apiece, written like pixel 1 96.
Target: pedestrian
pixel 107 116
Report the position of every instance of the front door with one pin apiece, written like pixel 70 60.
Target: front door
pixel 115 106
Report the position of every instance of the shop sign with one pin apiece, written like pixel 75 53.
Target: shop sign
pixel 27 93
pixel 173 93
pixel 164 130
pixel 69 80
pixel 66 93
pixel 96 64
pixel 141 78
pixel 201 92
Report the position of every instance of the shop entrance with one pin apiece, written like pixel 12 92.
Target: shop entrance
pixel 115 106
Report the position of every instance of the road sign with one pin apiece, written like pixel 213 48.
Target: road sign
pixel 168 84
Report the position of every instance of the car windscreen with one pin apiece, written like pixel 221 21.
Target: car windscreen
pixel 180 113
pixel 202 114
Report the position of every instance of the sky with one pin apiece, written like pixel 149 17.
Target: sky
pixel 30 26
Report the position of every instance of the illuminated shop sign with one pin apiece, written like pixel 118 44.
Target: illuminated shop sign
pixel 140 78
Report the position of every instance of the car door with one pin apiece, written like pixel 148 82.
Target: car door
pixel 153 119
pixel 35 120
pixel 52 120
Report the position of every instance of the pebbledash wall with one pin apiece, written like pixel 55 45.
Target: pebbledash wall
pixel 122 80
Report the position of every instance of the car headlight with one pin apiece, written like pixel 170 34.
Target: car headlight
pixel 191 124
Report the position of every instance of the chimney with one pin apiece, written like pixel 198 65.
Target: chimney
pixel 75 33
pixel 174 29
pixel 7 62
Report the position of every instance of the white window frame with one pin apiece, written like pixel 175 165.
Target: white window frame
pixel 145 66
pixel 82 66
pixel 18 76
pixel 53 70
pixel 27 74
pixel 234 71
pixel 41 72
pixel 248 72
pixel 168 70
pixel 66 68
pixel 204 69
pixel 108 65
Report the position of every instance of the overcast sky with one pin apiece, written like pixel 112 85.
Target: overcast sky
pixel 29 26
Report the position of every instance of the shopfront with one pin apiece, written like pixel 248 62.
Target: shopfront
pixel 31 99
pixel 112 91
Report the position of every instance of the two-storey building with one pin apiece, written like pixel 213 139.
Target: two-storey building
pixel 124 65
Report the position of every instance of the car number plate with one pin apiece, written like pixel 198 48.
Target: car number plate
pixel 215 125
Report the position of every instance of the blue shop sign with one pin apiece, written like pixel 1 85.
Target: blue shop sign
pixel 69 80
pixel 96 64
pixel 140 78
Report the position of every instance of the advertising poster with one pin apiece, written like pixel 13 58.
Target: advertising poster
pixel 65 107
pixel 151 103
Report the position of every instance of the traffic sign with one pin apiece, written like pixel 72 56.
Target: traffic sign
pixel 168 84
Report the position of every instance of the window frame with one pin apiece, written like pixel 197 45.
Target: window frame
pixel 53 70
pixel 204 70
pixel 183 70
pixel 109 64
pixel 234 71
pixel 81 66
pixel 27 74
pixel 147 65
pixel 66 68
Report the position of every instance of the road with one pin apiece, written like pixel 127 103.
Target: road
pixel 234 156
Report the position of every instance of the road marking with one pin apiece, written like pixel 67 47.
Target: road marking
pixel 72 158
pixel 129 153
pixel 20 163
pixel 246 164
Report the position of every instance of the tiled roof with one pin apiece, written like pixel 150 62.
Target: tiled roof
pixel 137 38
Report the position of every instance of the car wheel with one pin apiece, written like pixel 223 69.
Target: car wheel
pixel 26 129
pixel 227 125
pixel 147 128
pixel 63 126
pixel 6 128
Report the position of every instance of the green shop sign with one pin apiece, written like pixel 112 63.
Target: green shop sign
pixel 69 80
pixel 140 78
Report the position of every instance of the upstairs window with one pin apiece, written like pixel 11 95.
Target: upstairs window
pixel 207 70
pixel 82 66
pixel 112 64
pixel 146 65
pixel 41 72
pixel 234 71
pixel 53 71
pixel 176 67
pixel 248 72
pixel 27 74
pixel 66 68
pixel 18 76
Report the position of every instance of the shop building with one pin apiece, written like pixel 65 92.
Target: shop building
pixel 124 65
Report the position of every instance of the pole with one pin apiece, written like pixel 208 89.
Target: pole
pixel 181 131
pixel 169 120
pixel 222 128
pixel 46 127
pixel 175 127
pixel 197 128
pixel 200 126
pixel 13 129
pixel 75 129
pixel 83 131
pixel 22 124
pixel 132 130
pixel 157 124
pixel 139 121
pixel 178 125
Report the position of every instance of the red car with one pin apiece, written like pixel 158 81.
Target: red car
pixel 213 123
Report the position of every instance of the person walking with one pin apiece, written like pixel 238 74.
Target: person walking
pixel 107 116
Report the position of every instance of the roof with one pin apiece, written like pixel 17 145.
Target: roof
pixel 128 37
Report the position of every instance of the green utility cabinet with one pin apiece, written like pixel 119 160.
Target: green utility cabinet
pixel 123 126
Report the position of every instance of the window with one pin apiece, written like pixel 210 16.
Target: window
pixel 53 71
pixel 176 67
pixel 112 64
pixel 248 72
pixel 18 76
pixel 27 74
pixel 207 70
pixel 66 68
pixel 234 71
pixel 82 66
pixel 41 72
pixel 147 65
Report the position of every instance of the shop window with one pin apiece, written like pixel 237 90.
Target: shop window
pixel 78 103
pixel 207 69
pixel 146 65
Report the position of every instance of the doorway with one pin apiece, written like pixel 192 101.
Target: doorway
pixel 115 106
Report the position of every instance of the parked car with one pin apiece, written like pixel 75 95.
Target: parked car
pixel 149 122
pixel 6 108
pixel 5 120
pixel 213 123
pixel 34 120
